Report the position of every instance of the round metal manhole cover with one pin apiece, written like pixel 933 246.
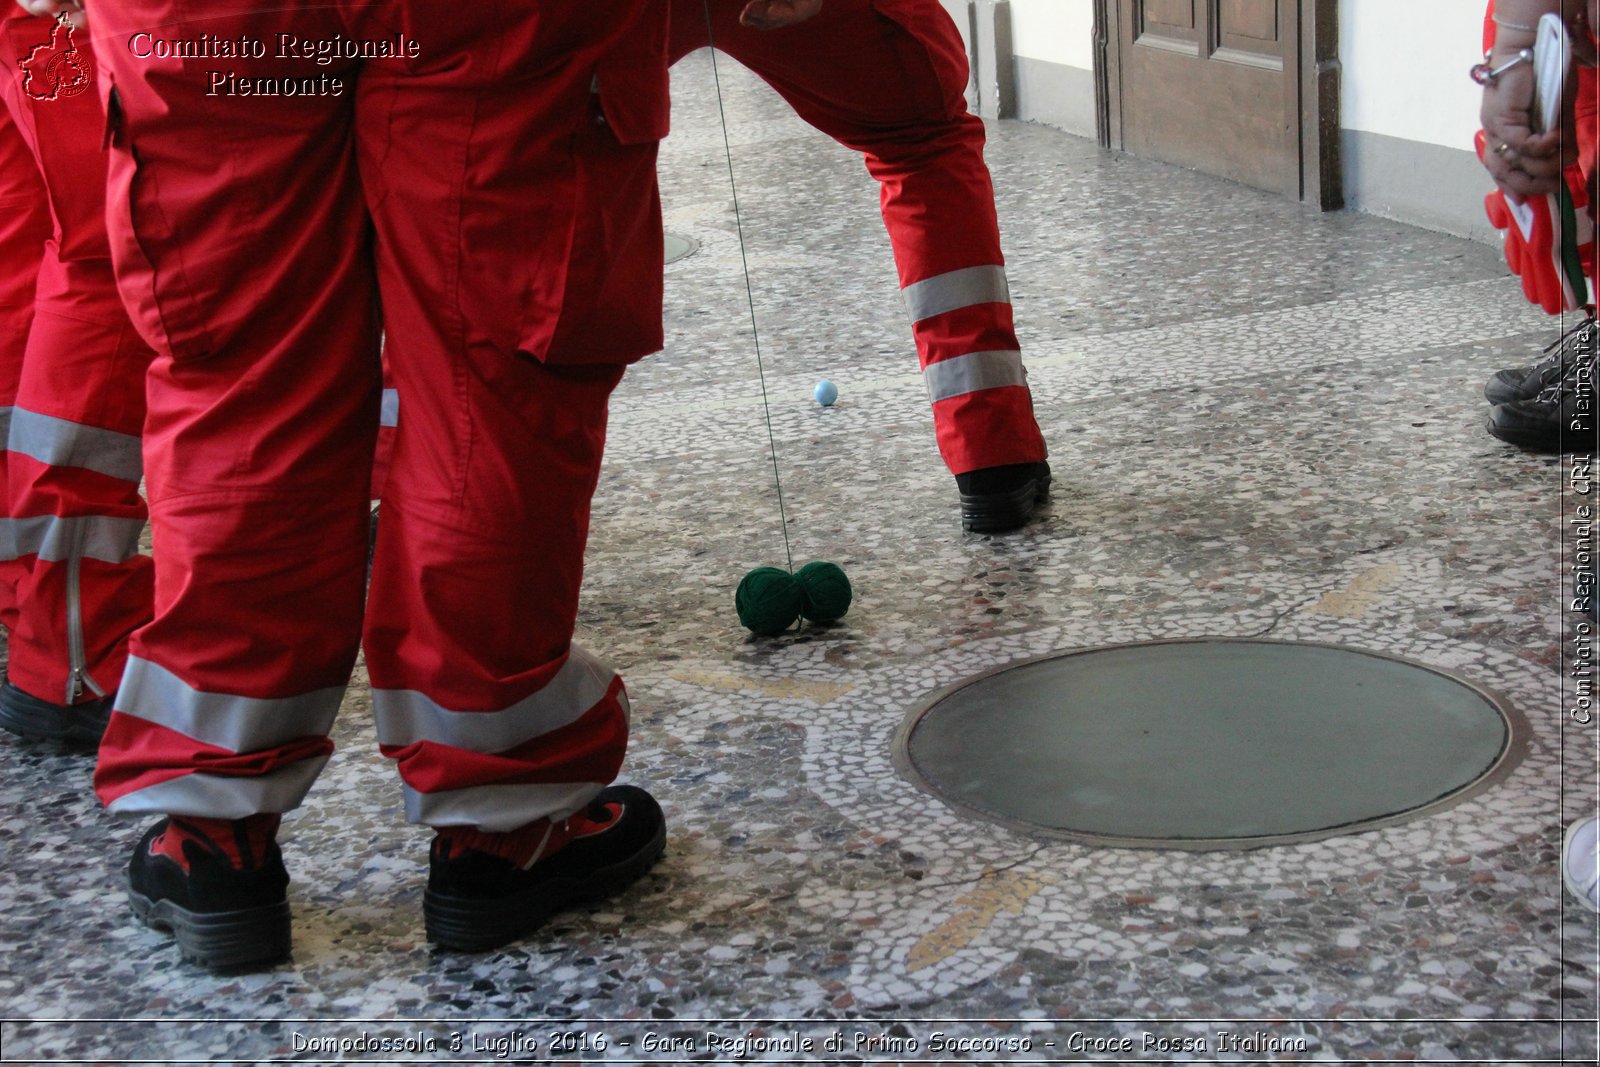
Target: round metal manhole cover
pixel 680 247
pixel 1208 743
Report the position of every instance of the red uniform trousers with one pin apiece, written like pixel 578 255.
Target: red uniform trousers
pixel 888 78
pixel 73 585
pixel 497 191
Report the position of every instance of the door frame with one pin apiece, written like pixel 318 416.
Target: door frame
pixel 1317 61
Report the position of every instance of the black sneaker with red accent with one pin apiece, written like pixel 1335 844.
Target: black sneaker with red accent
pixel 228 913
pixel 477 900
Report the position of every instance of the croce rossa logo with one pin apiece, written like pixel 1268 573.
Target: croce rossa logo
pixel 57 68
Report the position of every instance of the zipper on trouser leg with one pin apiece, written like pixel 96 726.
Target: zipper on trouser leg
pixel 77 658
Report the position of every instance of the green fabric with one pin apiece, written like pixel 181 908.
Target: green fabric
pixel 769 601
pixel 826 591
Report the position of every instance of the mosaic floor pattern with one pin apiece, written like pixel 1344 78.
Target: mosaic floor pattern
pixel 1263 421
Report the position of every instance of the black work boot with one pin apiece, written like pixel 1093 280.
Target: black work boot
pixel 1002 499
pixel 227 905
pixel 73 725
pixel 478 900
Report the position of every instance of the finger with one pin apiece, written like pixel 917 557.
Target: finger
pixel 776 14
pixel 49 7
pixel 1520 185
pixel 760 15
pixel 1500 164
pixel 1520 179
pixel 1545 167
pixel 1504 132
pixel 1546 145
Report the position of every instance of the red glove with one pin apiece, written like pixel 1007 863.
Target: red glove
pixel 1531 247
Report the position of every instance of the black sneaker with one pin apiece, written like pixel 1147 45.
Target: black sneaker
pixel 476 901
pixel 75 725
pixel 1002 499
pixel 225 919
pixel 1559 419
pixel 1526 383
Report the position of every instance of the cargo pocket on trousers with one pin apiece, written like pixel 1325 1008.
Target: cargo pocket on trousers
pixel 932 61
pixel 611 302
pixel 634 99
pixel 161 307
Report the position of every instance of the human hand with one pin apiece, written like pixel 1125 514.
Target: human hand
pixel 774 14
pixel 1522 163
pixel 49 7
pixel 73 9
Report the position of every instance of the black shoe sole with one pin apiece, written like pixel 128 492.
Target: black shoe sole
pixel 474 924
pixel 992 513
pixel 1538 441
pixel 75 725
pixel 225 941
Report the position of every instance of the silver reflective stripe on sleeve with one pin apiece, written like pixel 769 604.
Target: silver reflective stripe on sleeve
pixel 957 289
pixel 406 716
pixel 972 372
pixel 52 538
pixel 389 413
pixel 235 723
pixel 498 808
pixel 61 443
pixel 217 796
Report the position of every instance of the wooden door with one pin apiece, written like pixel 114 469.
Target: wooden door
pixel 1222 86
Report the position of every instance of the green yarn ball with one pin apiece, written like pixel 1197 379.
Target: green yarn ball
pixel 769 601
pixel 826 591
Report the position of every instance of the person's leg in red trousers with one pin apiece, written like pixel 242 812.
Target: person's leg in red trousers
pixel 72 377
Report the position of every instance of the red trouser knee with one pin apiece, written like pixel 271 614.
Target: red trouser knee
pixel 248 254
pixel 888 78
pixel 71 386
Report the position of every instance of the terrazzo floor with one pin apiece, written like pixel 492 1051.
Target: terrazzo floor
pixel 1263 421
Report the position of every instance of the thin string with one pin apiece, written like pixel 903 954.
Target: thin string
pixel 749 292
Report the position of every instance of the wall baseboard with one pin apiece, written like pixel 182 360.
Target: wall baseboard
pixel 1056 95
pixel 1423 184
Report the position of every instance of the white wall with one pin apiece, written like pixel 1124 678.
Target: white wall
pixel 1405 68
pixel 1408 110
pixel 1404 63
pixel 1057 31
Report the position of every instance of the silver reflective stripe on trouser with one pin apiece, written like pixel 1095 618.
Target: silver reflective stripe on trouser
pixel 955 290
pixel 63 443
pixel 499 808
pixel 389 413
pixel 233 723
pixel 406 717
pixel 54 539
pixel 973 372
pixel 216 796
